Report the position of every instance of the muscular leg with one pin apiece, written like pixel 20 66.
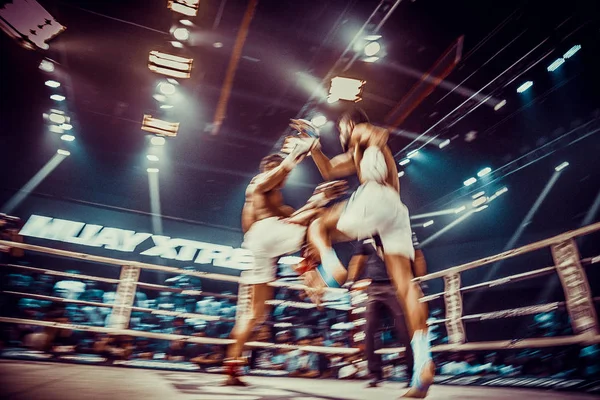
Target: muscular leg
pixel 399 270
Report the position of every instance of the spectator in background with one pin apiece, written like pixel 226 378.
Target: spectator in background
pixel 211 358
pixel 456 366
pixel 176 351
pixel 143 349
pixel 69 288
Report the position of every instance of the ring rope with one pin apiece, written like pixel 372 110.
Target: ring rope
pixel 511 253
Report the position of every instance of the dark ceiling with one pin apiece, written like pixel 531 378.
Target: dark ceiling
pixel 291 47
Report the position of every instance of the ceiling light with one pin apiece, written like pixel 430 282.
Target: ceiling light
pixel 319 120
pixel 63 152
pixel 152 157
pixel 524 86
pixel 501 191
pixel 170 65
pixel 57 118
pixel 152 170
pixel 372 48
pixel 47 66
pixel 186 22
pixel 481 208
pixel 176 44
pixel 400 174
pixel 217 45
pixel 561 166
pixel 158 141
pixel 499 105
pixel 557 63
pixel 56 129
pixel 479 202
pixel 159 97
pixel 66 127
pixel 484 172
pixel 572 51
pixel 181 34
pixel 57 97
pixel 332 99
pixel 166 106
pixel 370 59
pixel 67 138
pixel 52 84
pixel 444 143
pixel 478 194
pixel 404 162
pixel 372 37
pixel 460 209
pixel 469 181
pixel 412 153
pixel 185 7
pixel 428 223
pixel 166 88
pixel 159 126
pixel 346 88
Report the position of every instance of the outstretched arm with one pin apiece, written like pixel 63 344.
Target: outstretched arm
pixel 337 167
pixel 273 178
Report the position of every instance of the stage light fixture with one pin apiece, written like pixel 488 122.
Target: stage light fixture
pixel 152 170
pixel 158 126
pixel 158 141
pixel 52 84
pixel 428 223
pixel 181 34
pixel 372 48
pixel 28 23
pixel 400 174
pixel 217 45
pixel 479 201
pixel 372 37
pixel 166 88
pixel 152 157
pixel 572 51
pixel 346 88
pixel 557 63
pixel 481 208
pixel 66 127
pixel 404 162
pixel 478 194
pixel 561 166
pixel 63 152
pixel 170 65
pixel 460 209
pixel 166 106
pixel 370 59
pixel 67 138
pixel 484 172
pixel 176 44
pixel 319 120
pixel 56 129
pixel 499 105
pixel 501 191
pixel 444 143
pixel 185 7
pixel 524 86
pixel 331 99
pixel 412 153
pixel 58 97
pixel 186 22
pixel 470 181
pixel 159 97
pixel 47 66
pixel 57 118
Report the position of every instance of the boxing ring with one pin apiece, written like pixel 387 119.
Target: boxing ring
pixel 568 265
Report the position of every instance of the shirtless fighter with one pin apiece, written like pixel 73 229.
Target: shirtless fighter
pixel 375 208
pixel 271 229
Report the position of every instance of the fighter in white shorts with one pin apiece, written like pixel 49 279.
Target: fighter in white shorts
pixel 375 208
pixel 272 229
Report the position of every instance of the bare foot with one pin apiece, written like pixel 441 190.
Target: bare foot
pixel 234 381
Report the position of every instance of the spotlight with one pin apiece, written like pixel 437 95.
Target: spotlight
pixel 152 157
pixel 428 223
pixel 152 170
pixel 501 191
pixel 186 22
pixel 185 7
pixel 481 208
pixel 63 152
pixel 166 106
pixel 159 97
pixel 479 202
pixel 56 129
pixel 460 209
pixel 158 126
pixel 499 105
pixel 166 88
pixel 400 174
pixel 572 51
pixel 177 45
pixel 57 97
pixel 67 138
pixel 444 143
pixel 346 88
pixel 561 166
pixel 57 118
pixel 181 34
pixel 524 86
pixel 478 194
pixel 557 63
pixel 404 162
pixel 372 37
pixel 52 84
pixel 158 141
pixel 372 48
pixel 370 59
pixel 217 45
pixel 47 66
pixel 484 172
pixel 319 120
pixel 470 181
pixel 66 127
pixel 412 153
